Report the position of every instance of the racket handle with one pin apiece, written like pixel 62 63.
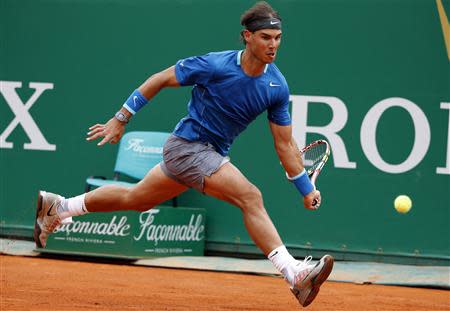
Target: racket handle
pixel 313 181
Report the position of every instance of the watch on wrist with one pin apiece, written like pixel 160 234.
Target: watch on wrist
pixel 121 117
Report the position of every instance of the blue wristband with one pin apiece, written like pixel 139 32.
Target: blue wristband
pixel 135 102
pixel 302 183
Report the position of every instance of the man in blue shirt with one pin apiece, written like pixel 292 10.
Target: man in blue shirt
pixel 230 89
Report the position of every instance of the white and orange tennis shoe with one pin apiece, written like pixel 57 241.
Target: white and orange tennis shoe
pixel 309 277
pixel 47 218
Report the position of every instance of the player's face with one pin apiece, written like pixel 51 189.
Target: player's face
pixel 264 44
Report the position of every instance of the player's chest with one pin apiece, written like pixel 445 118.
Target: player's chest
pixel 251 95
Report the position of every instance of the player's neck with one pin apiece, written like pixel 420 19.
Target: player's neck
pixel 251 65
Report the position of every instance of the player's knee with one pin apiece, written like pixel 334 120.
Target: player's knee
pixel 143 207
pixel 125 199
pixel 252 199
pixel 130 200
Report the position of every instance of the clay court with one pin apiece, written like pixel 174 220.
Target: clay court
pixel 34 283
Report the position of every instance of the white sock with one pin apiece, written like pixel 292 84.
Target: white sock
pixel 72 207
pixel 284 262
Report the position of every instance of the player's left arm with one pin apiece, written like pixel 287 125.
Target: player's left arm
pixel 113 130
pixel 290 158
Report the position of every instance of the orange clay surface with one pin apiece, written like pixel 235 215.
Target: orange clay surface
pixel 29 283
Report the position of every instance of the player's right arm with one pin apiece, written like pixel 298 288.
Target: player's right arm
pixel 113 130
pixel 290 158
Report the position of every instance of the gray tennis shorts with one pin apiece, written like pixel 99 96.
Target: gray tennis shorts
pixel 189 162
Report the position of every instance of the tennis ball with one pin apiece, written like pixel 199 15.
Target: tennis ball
pixel 402 204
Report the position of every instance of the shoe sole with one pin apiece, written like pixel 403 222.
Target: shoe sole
pixel 37 228
pixel 319 279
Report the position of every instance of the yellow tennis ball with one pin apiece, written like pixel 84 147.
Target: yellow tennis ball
pixel 402 204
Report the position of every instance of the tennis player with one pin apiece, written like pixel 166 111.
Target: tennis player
pixel 230 89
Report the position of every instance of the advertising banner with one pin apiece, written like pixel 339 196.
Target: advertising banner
pixel 161 231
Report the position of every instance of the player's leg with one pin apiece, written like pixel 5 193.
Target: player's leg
pixel 230 185
pixel 155 188
pixel 53 210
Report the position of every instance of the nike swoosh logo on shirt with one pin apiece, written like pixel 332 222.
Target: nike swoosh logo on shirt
pixel 274 84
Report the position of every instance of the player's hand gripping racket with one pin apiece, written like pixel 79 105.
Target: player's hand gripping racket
pixel 315 155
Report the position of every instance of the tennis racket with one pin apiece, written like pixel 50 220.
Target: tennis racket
pixel 315 155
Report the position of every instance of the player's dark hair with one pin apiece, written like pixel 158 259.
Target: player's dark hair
pixel 261 10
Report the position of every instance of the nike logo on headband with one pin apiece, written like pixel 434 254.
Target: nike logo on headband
pixel 274 22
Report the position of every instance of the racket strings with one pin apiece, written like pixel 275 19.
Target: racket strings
pixel 313 156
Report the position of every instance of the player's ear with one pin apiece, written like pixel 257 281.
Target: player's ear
pixel 246 34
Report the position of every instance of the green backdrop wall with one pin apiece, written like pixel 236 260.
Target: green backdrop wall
pixel 372 77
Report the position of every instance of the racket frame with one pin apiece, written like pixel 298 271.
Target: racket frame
pixel 313 174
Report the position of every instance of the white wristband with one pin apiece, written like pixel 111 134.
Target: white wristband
pixel 297 176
